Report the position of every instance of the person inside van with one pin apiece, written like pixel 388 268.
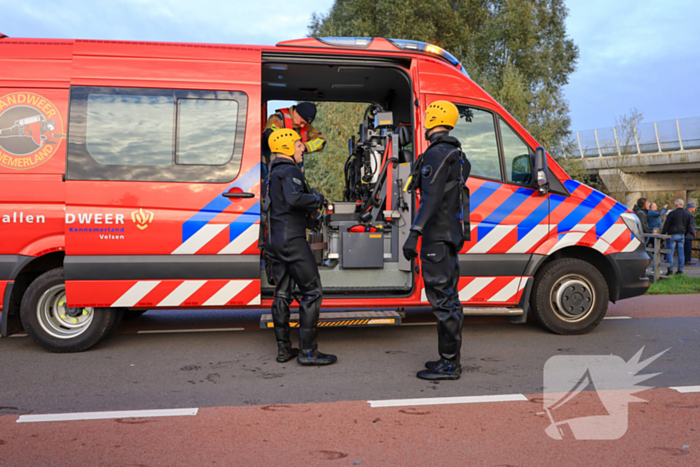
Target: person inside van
pixel 288 257
pixel 298 118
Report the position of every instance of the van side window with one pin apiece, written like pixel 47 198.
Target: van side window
pixel 130 130
pixel 517 156
pixel 155 134
pixel 476 131
pixel 206 131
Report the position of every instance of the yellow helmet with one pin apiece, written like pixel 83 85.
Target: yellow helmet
pixel 282 141
pixel 441 113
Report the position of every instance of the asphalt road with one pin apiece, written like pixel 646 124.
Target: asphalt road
pixel 132 371
pixel 245 409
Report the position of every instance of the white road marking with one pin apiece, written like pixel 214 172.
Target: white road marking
pixel 618 317
pixel 172 331
pixel 448 400
pixel 18 335
pixel 686 389
pixel 63 417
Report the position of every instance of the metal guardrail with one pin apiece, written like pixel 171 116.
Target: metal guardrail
pixel 654 137
pixel 656 251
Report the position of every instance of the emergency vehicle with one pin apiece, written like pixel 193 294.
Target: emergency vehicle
pixel 130 179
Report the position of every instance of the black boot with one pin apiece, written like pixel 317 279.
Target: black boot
pixel 309 310
pixel 315 358
pixel 444 370
pixel 285 353
pixel 280 316
pixel 431 365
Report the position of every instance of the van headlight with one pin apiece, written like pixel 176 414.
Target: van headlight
pixel 632 222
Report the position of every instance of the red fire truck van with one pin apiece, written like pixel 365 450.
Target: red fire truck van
pixel 130 179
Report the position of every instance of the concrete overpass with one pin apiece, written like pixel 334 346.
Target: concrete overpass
pixel 656 156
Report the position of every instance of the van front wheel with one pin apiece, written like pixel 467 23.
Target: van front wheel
pixel 56 327
pixel 570 296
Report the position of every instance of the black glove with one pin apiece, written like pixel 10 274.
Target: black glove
pixel 410 248
pixel 321 200
pixel 313 222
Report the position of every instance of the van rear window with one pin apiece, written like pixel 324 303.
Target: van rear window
pixel 155 134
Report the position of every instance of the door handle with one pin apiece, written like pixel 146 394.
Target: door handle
pixel 239 195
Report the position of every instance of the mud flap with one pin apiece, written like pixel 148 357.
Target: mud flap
pixel 524 303
pixel 10 322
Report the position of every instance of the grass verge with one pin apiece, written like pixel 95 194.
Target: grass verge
pixel 676 284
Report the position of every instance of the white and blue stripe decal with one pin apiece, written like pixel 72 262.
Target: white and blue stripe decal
pixel 216 206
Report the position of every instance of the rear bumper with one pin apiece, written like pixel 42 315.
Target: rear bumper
pixel 630 270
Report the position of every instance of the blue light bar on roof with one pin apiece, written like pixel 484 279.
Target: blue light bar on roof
pixel 347 41
pixel 419 46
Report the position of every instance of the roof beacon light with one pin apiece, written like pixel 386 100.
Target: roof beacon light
pixel 433 49
pixel 419 46
pixel 347 41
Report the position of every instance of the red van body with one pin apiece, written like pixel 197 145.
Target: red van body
pixel 132 236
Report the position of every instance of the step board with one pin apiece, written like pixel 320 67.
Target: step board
pixel 342 319
pixel 492 311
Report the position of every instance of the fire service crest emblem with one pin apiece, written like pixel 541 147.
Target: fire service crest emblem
pixel 31 130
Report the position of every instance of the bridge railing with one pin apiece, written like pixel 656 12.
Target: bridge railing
pixel 664 136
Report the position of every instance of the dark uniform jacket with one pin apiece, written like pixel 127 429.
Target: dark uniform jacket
pixel 642 214
pixel 439 214
pixel 679 222
pixel 290 202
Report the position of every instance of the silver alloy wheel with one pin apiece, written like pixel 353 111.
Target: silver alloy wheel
pixel 573 298
pixel 58 320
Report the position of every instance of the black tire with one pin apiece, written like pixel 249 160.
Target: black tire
pixel 569 296
pixel 58 328
pixel 130 315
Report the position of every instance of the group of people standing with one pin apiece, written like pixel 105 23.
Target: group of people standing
pixel 679 224
pixel 289 261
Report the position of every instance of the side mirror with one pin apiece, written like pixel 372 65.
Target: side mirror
pixel 541 171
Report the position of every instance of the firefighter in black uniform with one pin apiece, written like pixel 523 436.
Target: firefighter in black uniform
pixel 439 220
pixel 291 260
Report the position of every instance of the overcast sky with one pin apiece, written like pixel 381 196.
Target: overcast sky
pixel 643 54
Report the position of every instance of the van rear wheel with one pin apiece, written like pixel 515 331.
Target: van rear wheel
pixel 570 296
pixel 56 327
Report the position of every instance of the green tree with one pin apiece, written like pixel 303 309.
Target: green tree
pixel 324 170
pixel 517 50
